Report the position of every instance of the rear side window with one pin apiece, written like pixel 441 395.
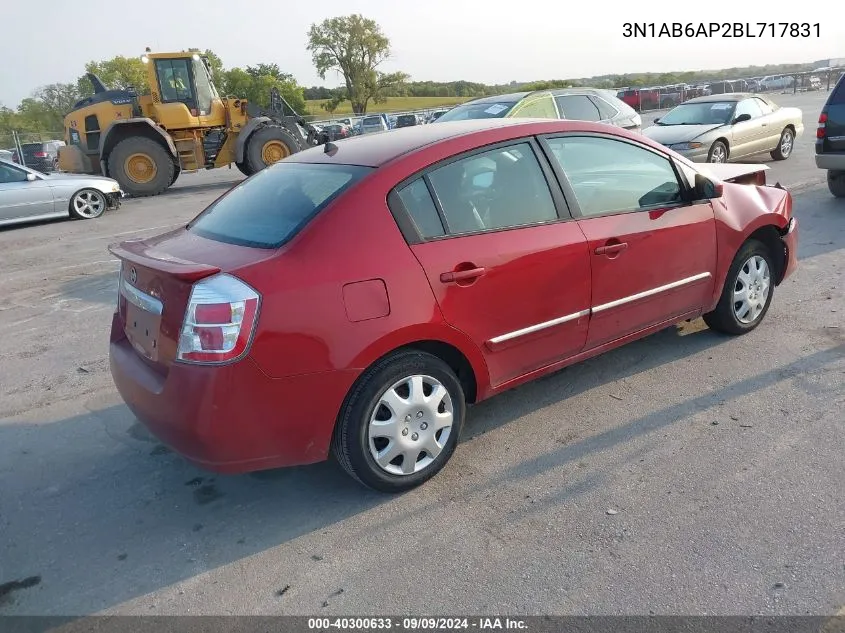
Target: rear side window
pixel 606 110
pixel 577 108
pixel 837 96
pixel 271 207
pixel 420 207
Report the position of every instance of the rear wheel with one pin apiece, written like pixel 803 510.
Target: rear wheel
pixel 142 166
pixel 718 153
pixel 87 204
pixel 401 422
pixel 243 169
pixel 785 145
pixel 747 293
pixel 836 183
pixel 176 172
pixel 268 145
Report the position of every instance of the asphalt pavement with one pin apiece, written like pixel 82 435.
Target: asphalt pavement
pixel 687 473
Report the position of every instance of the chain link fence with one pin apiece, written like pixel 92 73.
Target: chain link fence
pixel 645 99
pixel 37 150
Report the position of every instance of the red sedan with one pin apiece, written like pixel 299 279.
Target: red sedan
pixel 355 296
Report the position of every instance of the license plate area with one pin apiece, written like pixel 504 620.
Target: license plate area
pixel 142 321
pixel 142 330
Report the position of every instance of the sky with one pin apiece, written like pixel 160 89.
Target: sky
pixel 489 41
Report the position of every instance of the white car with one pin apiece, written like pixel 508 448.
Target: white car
pixel 776 83
pixel 27 195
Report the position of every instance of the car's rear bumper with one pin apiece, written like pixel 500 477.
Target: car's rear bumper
pixel 835 162
pixel 231 418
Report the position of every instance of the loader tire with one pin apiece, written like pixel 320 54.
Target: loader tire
pixel 244 169
pixel 142 166
pixel 268 145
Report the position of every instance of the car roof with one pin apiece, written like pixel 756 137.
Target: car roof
pixel 511 97
pixel 728 96
pixel 374 150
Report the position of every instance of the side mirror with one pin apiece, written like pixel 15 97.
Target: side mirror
pixel 657 120
pixel 30 177
pixel 706 189
pixel 741 118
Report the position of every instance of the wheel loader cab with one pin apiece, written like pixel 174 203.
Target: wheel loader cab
pixel 182 93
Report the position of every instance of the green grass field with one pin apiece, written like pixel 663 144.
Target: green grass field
pixel 393 104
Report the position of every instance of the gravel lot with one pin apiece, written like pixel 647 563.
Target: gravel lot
pixel 719 459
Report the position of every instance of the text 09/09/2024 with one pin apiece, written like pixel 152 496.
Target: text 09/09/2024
pixel 721 29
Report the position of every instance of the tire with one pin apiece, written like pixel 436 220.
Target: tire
pixel 836 183
pixel 154 156
pixel 727 317
pixel 417 424
pixel 87 204
pixel 284 142
pixel 244 169
pixel 176 172
pixel 718 149
pixel 785 145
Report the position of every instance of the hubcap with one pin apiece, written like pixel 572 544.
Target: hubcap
pixel 140 168
pixel 751 289
pixel 410 425
pixel 718 155
pixel 88 204
pixel 786 144
pixel 273 152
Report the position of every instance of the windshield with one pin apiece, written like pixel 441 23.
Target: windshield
pixel 271 207
pixel 707 113
pixel 205 88
pixel 478 111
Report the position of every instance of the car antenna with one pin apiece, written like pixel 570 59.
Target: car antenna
pixel 330 148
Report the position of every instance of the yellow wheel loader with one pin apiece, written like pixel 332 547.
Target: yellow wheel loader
pixel 144 142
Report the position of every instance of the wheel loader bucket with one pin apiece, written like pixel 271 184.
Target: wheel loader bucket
pixel 71 159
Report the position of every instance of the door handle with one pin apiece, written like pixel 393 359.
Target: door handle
pixel 609 249
pixel 461 275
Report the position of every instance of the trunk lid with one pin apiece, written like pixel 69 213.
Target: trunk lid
pixel 156 278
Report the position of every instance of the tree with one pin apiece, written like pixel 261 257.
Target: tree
pixel 355 46
pixel 255 83
pixel 118 72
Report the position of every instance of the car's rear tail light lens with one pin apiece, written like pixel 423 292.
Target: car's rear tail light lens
pixel 219 322
pixel 40 154
pixel 822 129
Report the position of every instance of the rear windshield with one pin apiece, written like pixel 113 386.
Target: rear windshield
pixel 478 111
pixel 271 207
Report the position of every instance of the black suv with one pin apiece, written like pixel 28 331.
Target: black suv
pixel 406 120
pixel 830 139
pixel 40 156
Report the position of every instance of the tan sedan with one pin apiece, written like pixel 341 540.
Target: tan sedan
pixel 728 127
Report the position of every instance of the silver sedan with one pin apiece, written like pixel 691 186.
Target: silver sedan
pixel 728 127
pixel 27 195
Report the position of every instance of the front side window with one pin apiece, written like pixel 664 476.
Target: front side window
pixel 749 107
pixel 539 107
pixel 10 174
pixel 269 208
pixel 577 108
pixel 498 189
pixel 610 176
pixel 205 88
pixel 174 80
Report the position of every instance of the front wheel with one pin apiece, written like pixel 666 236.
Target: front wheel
pixel 785 145
pixel 87 204
pixel 142 166
pixel 401 422
pixel 718 153
pixel 268 145
pixel 747 293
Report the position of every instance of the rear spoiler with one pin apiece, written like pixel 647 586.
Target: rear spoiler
pixel 141 254
pixel 738 173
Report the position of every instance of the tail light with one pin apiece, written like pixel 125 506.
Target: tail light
pixel 40 154
pixel 219 322
pixel 820 132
